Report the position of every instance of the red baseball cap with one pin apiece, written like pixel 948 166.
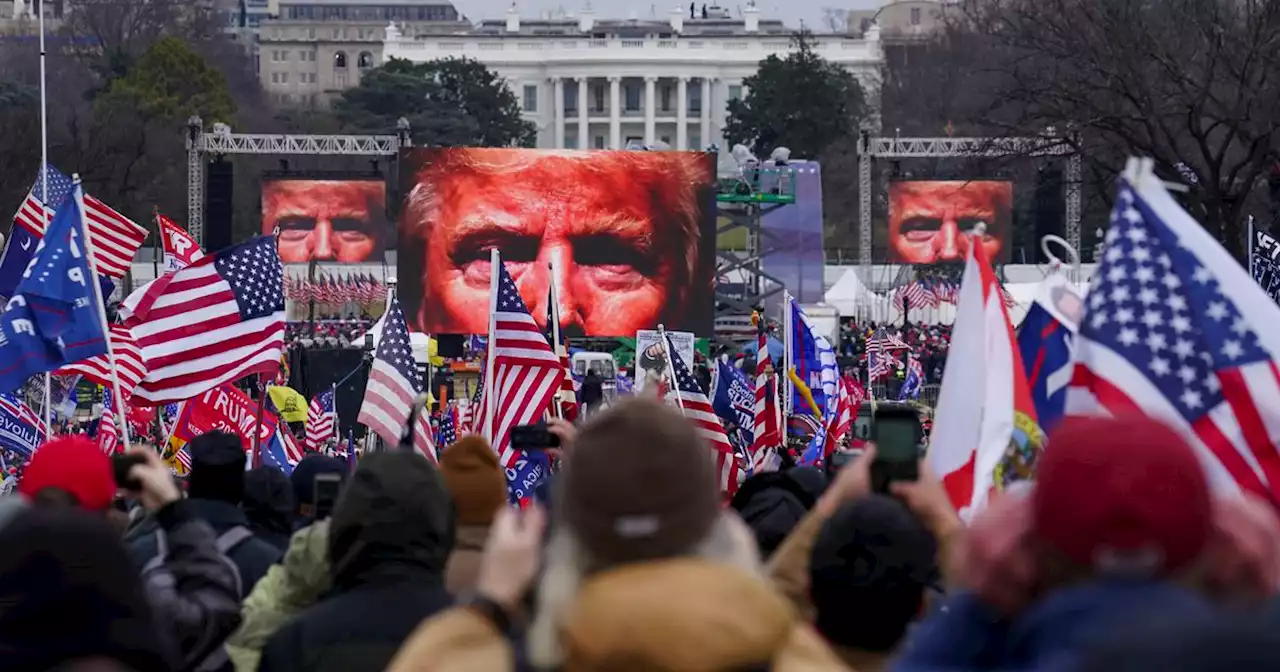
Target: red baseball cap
pixel 74 464
pixel 1122 495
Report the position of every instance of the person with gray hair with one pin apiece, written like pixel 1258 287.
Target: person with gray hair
pixel 620 232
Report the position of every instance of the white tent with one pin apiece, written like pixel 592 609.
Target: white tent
pixel 851 297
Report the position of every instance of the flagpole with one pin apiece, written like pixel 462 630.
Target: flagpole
pixel 77 192
pixel 1248 249
pixel 554 316
pixel 338 434
pixel 44 201
pixel 788 363
pixel 495 262
pixel 671 367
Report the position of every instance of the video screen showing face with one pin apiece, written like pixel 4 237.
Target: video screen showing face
pixel 631 235
pixel 929 221
pixel 326 220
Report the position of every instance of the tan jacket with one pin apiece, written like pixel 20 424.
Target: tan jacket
pixel 463 568
pixel 688 615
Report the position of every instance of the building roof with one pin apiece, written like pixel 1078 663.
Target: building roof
pixel 624 28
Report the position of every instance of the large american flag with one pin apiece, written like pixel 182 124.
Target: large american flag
pixel 108 430
pixel 1175 329
pixel 448 430
pixel 129 364
pixel 526 373
pixel 116 238
pixel 697 409
pixel 219 319
pixel 321 422
pixel 394 384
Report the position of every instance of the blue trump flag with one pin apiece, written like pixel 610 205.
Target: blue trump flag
pixel 522 480
pixel 53 318
pixel 1045 339
pixel 21 430
pixel 734 398
pixel 814 360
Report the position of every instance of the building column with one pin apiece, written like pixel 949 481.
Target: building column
pixel 557 90
pixel 650 115
pixel 615 113
pixel 584 136
pixel 706 114
pixel 682 114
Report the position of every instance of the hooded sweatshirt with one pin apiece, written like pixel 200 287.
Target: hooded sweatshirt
pixel 389 539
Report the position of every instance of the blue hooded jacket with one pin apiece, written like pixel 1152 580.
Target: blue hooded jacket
pixel 1050 636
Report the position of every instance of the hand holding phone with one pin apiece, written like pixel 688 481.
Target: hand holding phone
pixel 534 437
pixel 897 435
pixel 121 465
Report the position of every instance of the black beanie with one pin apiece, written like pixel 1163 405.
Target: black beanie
pixel 217 467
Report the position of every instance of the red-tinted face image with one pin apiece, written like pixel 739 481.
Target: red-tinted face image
pixel 932 221
pixel 326 220
pixel 622 230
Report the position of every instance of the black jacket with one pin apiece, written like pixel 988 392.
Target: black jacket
pixel 252 558
pixel 389 538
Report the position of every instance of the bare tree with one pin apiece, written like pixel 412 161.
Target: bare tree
pixel 1193 84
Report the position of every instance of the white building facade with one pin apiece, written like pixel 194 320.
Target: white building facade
pixel 589 84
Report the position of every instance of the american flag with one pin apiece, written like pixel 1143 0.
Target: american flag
pixel 839 423
pixel 1174 328
pixel 220 319
pixel 469 417
pixel 183 456
pixel 697 409
pixel 766 436
pixel 448 431
pixel 321 422
pixel 394 384
pixel 946 291
pixel 526 372
pixel 116 238
pixel 129 365
pixel 108 431
pixel 918 294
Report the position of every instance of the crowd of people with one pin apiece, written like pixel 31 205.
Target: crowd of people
pixel 1118 557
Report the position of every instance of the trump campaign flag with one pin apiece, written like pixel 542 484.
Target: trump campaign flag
pixel 21 430
pixel 1045 340
pixel 180 249
pixel 1175 329
pixel 733 397
pixel 985 431
pixel 54 317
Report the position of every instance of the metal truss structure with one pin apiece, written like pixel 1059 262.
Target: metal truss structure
pixel 221 142
pixel 757 284
pixel 871 147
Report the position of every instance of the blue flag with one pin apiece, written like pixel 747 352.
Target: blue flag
pixel 54 318
pixel 814 360
pixel 273 452
pixel 734 397
pixel 1045 340
pixel 21 430
pixel 531 467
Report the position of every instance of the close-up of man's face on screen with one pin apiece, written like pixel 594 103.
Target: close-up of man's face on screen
pixel 326 220
pixel 931 221
pixel 630 236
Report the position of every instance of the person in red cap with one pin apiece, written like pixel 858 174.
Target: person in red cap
pixel 1116 528
pixel 70 470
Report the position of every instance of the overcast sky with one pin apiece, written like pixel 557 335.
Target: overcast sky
pixel 792 12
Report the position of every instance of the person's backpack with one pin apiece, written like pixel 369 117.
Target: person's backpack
pixel 155 572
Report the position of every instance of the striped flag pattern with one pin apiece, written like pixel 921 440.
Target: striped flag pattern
pixel 116 238
pixel 697 409
pixel 766 435
pixel 394 384
pixel 321 421
pixel 220 319
pixel 129 365
pixel 526 372
pixel 108 430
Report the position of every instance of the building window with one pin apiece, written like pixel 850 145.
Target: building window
pixel 530 97
pixel 666 99
pixel 632 97
pixel 571 97
pixel 340 79
pixel 695 140
pixel 311 33
pixel 599 100
pixel 599 142
pixel 364 61
pixel 340 60
pixel 284 78
pixel 666 140
pixel 275 78
pixel 695 100
pixel 571 141
pixel 735 91
pixel 284 55
pixel 915 16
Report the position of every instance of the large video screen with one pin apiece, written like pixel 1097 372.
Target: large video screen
pixel 631 235
pixel 929 221
pixel 327 220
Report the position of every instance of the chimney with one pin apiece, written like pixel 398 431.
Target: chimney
pixel 513 19
pixel 751 17
pixel 586 20
pixel 677 19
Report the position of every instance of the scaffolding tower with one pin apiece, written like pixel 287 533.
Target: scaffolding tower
pixel 742 202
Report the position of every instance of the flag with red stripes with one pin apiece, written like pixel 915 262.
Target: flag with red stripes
pixel 697 409
pixel 526 373
pixel 108 430
pixel 129 365
pixel 766 435
pixel 394 384
pixel 220 319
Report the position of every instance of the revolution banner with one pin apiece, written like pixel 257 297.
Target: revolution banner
pixel 223 409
